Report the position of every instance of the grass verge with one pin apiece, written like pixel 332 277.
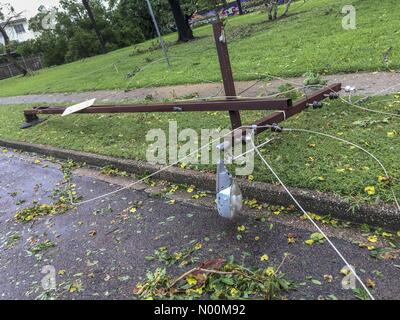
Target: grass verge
pixel 301 159
pixel 310 39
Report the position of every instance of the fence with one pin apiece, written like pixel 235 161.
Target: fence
pixel 8 70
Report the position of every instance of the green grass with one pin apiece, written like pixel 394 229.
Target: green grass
pixel 311 39
pixel 302 160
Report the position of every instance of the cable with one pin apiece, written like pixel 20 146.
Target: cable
pixel 151 175
pixel 370 110
pixel 325 86
pixel 344 141
pixel 311 220
pixel 252 150
pixel 355 145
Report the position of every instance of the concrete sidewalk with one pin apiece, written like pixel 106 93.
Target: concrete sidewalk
pixel 366 84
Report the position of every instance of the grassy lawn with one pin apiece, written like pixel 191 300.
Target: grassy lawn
pixel 311 39
pixel 302 160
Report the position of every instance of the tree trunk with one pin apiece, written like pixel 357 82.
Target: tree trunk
pixel 8 52
pixel 86 4
pixel 184 32
pixel 286 8
pixel 239 4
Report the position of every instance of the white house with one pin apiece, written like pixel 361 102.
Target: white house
pixel 18 30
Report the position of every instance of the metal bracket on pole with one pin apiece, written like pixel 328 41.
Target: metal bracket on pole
pixel 30 121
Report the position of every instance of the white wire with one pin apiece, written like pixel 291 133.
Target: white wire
pixel 252 150
pixel 325 86
pixel 311 220
pixel 237 96
pixel 377 93
pixel 355 145
pixel 347 142
pixel 370 110
pixel 153 174
pixel 367 109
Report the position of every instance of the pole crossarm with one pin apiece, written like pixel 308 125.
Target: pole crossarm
pixel 298 106
pixel 231 103
pixel 213 105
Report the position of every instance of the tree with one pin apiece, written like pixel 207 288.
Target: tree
pixel 272 8
pixel 72 36
pixel 89 11
pixel 7 14
pixel 185 33
pixel 134 15
pixel 288 3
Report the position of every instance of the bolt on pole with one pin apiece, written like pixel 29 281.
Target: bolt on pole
pixel 158 33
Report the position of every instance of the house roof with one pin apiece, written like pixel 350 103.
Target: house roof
pixel 15 21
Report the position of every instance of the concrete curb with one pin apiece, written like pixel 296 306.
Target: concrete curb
pixel 382 215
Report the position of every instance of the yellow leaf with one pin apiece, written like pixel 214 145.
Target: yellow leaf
pixel 384 179
pixel 291 238
pixel 328 278
pixel 387 234
pixel 345 271
pixel 270 271
pixel 371 283
pixel 172 201
pixel 191 280
pixel 190 190
pixel 198 246
pixel 178 255
pixel 391 134
pixel 72 289
pixel 373 238
pixel 234 292
pixel 257 238
pixel 250 178
pixel 241 228
pixel 133 210
pixel 264 257
pixel 370 190
pixel 309 242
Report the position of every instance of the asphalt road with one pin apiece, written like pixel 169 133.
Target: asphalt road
pixel 99 250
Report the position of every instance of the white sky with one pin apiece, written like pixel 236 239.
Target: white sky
pixel 30 6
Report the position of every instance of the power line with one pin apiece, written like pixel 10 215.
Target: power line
pixel 311 220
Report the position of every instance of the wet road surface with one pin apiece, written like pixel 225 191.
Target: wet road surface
pixel 98 250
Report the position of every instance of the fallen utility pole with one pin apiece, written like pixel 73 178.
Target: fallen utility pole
pixel 233 104
pixel 213 105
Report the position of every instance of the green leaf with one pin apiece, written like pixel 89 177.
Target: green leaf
pixel 316 236
pixel 228 280
pixel 315 281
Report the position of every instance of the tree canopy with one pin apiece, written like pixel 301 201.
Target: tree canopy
pixel 108 25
